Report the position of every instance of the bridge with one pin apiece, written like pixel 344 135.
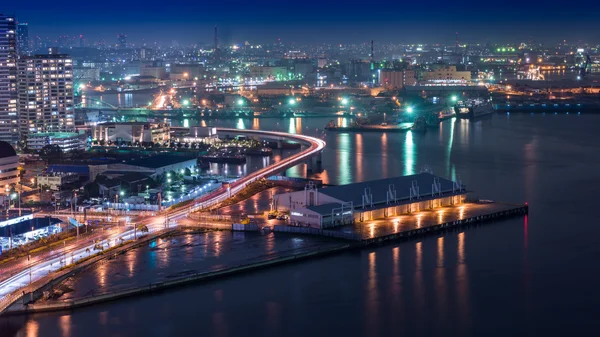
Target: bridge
pixel 13 284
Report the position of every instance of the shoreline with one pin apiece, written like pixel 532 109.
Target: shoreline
pixel 517 210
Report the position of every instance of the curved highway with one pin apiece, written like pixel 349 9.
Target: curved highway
pixel 42 266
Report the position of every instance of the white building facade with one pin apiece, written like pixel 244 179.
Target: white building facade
pixel 45 86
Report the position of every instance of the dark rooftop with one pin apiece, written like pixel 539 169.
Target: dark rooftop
pixel 6 150
pixel 158 161
pixel 379 188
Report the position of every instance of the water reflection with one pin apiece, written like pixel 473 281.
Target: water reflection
pixel 32 329
pixel 343 159
pixel 65 325
pixel 256 123
pixel 241 124
pixel 292 126
pixel 372 298
pixel 440 252
pixel 449 164
pixel 102 270
pixel 462 286
pixel 418 282
pixel 384 157
pixel 273 317
pixel 358 153
pixel 440 282
pixel 396 281
pixel 219 324
pixel 409 154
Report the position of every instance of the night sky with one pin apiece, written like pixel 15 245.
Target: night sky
pixel 313 21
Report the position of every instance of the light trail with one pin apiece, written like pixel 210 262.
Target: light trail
pixel 11 286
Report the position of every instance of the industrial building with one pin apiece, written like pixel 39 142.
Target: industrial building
pixel 396 79
pixel 56 181
pixel 445 75
pixel 197 134
pixel 132 132
pixel 67 141
pixel 344 204
pixel 153 166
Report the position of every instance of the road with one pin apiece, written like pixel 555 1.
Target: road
pixel 49 262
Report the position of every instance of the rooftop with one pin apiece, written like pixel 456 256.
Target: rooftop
pixel 379 188
pixel 54 135
pixel 160 160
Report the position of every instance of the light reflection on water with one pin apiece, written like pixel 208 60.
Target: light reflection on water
pixel 344 153
pixel 409 154
pixel 482 280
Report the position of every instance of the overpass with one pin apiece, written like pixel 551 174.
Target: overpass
pixel 13 286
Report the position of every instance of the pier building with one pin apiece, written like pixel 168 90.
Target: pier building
pixel 369 200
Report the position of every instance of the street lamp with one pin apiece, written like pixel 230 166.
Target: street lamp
pixel 454 98
pixel 240 102
pixel 344 101
pixel 409 109
pixel 292 101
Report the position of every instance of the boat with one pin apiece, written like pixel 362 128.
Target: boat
pixel 354 127
pixel 474 108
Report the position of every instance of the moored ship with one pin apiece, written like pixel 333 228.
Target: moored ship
pixel 473 108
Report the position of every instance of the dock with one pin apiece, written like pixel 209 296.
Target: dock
pixel 403 127
pixel 355 236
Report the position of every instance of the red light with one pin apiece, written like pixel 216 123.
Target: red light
pixel 526 203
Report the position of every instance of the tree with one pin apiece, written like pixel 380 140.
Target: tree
pixel 51 151
pixel 187 171
pixel 91 190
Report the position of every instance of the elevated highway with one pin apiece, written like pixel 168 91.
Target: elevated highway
pixel 12 287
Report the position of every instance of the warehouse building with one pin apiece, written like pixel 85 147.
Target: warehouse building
pixel 334 206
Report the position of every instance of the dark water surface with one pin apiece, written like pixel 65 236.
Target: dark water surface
pixel 519 277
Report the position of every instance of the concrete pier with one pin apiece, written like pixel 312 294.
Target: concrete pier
pixel 428 223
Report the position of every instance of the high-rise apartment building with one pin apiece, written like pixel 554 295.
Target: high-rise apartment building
pixel 45 85
pixel 23 39
pixel 8 80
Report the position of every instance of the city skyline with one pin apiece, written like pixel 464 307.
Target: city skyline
pixel 314 22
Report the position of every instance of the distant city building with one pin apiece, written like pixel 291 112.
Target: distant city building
pixel 267 72
pixel 45 94
pixel 445 75
pixel 9 122
pixel 397 79
pixel 132 132
pixel 86 74
pixel 67 141
pixel 157 72
pixel 358 70
pixel 143 53
pixel 9 163
pixel 321 62
pixel 187 71
pixel 23 39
